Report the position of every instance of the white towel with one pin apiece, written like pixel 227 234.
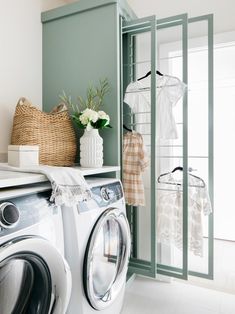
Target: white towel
pixel 68 184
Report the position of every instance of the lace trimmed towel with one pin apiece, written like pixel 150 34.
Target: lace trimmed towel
pixel 68 184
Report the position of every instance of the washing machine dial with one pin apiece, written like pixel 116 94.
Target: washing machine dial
pixel 104 194
pixel 9 215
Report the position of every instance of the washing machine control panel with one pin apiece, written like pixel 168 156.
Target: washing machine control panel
pixel 107 194
pixel 103 196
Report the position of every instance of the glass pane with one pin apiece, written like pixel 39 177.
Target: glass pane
pixel 105 257
pixel 170 153
pixel 137 117
pixel 224 140
pixel 16 279
pixel 198 140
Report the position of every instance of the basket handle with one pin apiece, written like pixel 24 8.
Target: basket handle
pixel 59 108
pixel 24 101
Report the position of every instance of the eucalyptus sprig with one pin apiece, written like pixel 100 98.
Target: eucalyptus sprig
pixel 94 97
pixel 86 113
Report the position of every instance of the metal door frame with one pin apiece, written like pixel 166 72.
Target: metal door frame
pixel 146 25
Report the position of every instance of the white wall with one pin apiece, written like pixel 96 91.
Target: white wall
pixel 51 4
pixel 21 58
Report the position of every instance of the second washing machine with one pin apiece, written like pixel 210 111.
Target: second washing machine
pixel 97 248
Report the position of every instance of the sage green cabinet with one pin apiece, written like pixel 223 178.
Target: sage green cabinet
pixel 81 44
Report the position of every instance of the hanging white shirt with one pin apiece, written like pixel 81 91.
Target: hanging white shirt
pixel 169 90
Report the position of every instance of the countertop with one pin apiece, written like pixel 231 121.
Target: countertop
pixel 13 183
pixel 14 178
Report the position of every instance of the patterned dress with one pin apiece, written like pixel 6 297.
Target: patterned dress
pixel 135 161
pixel 170 215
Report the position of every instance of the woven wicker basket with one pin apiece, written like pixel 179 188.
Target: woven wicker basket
pixel 53 132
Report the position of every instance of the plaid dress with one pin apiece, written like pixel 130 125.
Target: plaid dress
pixel 135 161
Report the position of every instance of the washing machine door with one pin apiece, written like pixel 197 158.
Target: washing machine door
pixel 34 278
pixel 106 259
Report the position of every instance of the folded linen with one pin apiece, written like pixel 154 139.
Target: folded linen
pixel 68 184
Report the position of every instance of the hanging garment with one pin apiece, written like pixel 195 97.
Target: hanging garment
pixel 169 90
pixel 135 160
pixel 170 215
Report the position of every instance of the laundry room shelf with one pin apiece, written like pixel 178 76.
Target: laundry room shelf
pixel 12 178
pixel 94 171
pixel 23 190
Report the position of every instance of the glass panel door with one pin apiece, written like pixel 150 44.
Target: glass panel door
pixel 164 239
pixel 139 130
pixel 172 161
pixel 200 136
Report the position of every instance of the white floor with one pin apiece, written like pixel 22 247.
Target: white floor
pixel 224 269
pixel 197 296
pixel 147 296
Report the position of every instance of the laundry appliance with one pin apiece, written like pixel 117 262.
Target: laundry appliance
pixel 34 276
pixel 97 248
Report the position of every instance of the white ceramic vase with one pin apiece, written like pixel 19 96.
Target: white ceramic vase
pixel 91 149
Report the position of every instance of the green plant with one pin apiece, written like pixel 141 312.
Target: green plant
pixel 86 113
pixel 94 97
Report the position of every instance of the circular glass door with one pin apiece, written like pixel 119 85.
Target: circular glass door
pixel 34 278
pixel 16 278
pixel 25 285
pixel 106 259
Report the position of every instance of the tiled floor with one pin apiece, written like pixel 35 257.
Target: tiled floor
pixel 147 296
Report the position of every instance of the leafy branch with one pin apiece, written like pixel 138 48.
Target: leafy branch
pixel 94 97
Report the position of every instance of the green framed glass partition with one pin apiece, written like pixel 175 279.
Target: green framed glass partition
pixel 130 29
pixel 168 268
pixel 203 49
pixel 151 28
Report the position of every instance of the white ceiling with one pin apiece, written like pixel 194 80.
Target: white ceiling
pixel 223 10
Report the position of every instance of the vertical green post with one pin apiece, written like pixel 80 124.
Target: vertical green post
pixel 153 145
pixel 211 141
pixel 210 42
pixel 185 147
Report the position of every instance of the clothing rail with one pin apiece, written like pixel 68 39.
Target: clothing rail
pixel 146 89
pixel 182 157
pixel 178 190
pixel 167 146
pixel 170 190
pixel 147 123
pixel 132 113
pixel 148 61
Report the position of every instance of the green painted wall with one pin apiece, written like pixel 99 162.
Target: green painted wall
pixel 78 50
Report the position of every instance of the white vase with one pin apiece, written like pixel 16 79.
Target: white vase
pixel 91 149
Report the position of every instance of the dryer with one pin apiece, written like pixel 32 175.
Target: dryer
pixel 97 248
pixel 34 276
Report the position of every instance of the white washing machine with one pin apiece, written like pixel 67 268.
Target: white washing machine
pixel 34 277
pixel 97 248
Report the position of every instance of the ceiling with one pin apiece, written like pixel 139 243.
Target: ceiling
pixel 223 10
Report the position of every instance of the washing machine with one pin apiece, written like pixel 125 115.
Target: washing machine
pixel 34 276
pixel 97 248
